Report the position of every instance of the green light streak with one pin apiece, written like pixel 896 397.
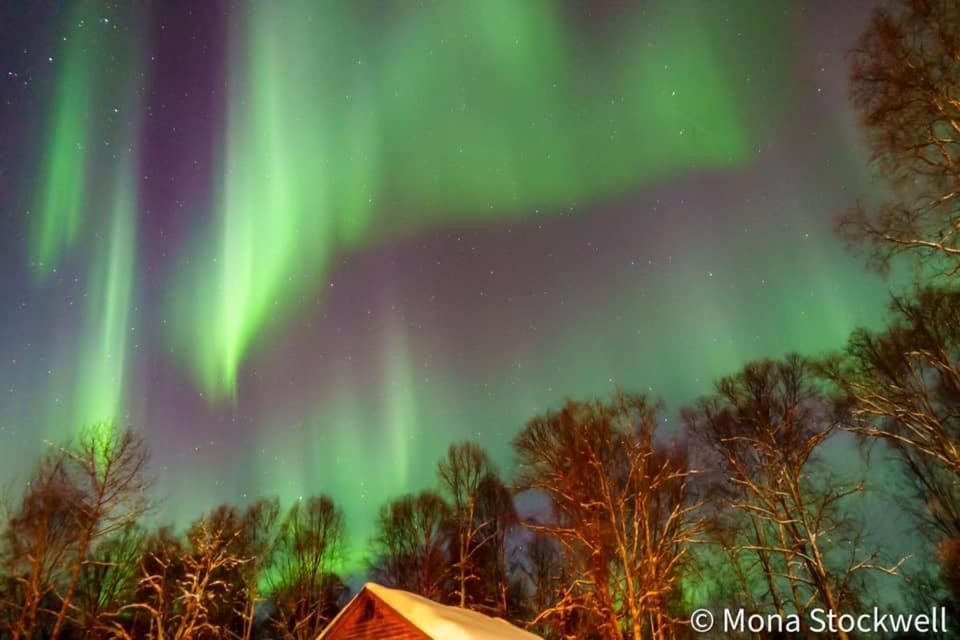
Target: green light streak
pixel 400 408
pixel 461 113
pixel 86 195
pixel 61 188
pixel 101 382
pixel 293 186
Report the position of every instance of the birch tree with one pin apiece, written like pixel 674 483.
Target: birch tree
pixel 767 426
pixel 904 79
pixel 620 509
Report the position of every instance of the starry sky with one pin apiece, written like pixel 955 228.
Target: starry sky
pixel 303 247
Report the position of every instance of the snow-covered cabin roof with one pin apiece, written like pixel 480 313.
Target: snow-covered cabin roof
pixel 438 621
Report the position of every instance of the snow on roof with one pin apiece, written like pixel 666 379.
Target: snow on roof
pixel 442 622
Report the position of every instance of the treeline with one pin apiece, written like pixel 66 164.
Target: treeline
pixel 634 525
pixel 630 527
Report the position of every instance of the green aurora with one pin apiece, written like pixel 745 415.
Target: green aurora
pixel 422 224
pixel 461 113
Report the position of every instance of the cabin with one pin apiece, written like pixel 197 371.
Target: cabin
pixel 392 614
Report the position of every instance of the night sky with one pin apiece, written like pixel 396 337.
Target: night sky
pixel 305 246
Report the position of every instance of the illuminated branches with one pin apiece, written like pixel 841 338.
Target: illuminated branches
pixel 766 427
pixel 80 504
pixel 482 514
pixel 108 471
pixel 904 83
pixel 181 586
pixel 620 509
pixel 38 539
pixel 903 384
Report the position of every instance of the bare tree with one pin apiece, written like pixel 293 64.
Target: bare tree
pixel 108 470
pixel 409 549
pixel 248 534
pixel 257 543
pixel 932 498
pixel 180 586
pixel 304 584
pixel 903 384
pixel 481 516
pixel 498 588
pixel 222 526
pixel 620 510
pixel 38 539
pixel 905 74
pixel 543 572
pixel 160 570
pixel 108 580
pixel 767 425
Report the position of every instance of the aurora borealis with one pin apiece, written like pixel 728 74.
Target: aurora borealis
pixel 305 246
